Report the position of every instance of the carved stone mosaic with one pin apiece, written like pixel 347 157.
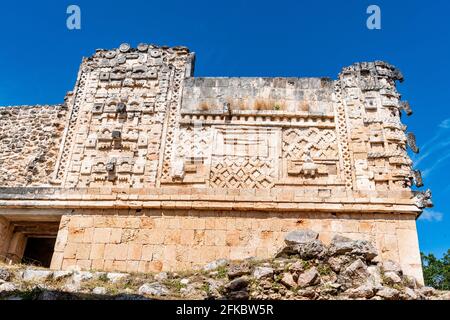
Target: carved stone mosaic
pixel 193 154
pixel 244 157
pixel 377 137
pixel 310 154
pixel 242 172
pixel 137 118
pixel 142 151
pixel 171 129
pixel 118 114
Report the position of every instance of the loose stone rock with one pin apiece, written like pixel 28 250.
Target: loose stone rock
pixel 115 277
pixel 390 266
pixel 427 291
pixel 342 245
pixel 374 276
pixel 99 290
pixel 296 267
pixel 36 275
pixel 288 280
pixel 410 293
pixel 80 276
pixel 388 293
pixel 238 270
pixel 304 243
pixel 213 287
pixel 300 237
pixel 308 278
pixel 58 275
pixel 355 274
pixel 154 289
pixel 237 284
pixel 310 250
pixel 335 263
pixel 392 277
pixel 5 275
pixel 238 295
pixel 363 291
pixel 215 264
pixel 262 272
pixel 7 287
pixel 161 276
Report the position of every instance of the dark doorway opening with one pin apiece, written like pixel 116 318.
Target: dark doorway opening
pixel 39 251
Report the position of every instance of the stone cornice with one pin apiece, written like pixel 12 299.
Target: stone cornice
pixel 209 199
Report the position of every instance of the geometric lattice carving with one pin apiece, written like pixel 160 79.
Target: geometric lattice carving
pixel 321 143
pixel 172 124
pixel 343 137
pixel 193 142
pixel 61 170
pixel 242 172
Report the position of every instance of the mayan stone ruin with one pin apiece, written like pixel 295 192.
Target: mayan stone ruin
pixel 146 168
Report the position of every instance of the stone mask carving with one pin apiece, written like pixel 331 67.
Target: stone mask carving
pixel 423 199
pixel 411 139
pixel 110 166
pixel 417 177
pixel 404 105
pixel 121 107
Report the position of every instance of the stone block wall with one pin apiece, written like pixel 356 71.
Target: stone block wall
pixel 155 240
pixel 29 144
pixel 206 95
pixel 5 237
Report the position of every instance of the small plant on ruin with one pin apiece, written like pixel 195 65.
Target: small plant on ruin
pixel 175 284
pixel 277 278
pixel 206 288
pixel 397 286
pixel 324 270
pixel 222 272
pixel 408 282
pixel 103 277
pixel 276 285
pixel 306 264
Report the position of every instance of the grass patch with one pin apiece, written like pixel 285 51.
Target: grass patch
pixel 306 264
pixel 206 288
pixel 324 270
pixel 277 278
pixel 222 272
pixel 174 284
pixel 103 277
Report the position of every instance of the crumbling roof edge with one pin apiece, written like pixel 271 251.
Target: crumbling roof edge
pixel 34 106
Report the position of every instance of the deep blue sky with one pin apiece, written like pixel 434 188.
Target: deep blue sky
pixel 39 56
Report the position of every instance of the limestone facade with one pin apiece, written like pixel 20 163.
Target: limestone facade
pixel 156 240
pixel 30 138
pixel 148 168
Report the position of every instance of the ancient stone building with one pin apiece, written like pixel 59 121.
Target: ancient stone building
pixel 145 167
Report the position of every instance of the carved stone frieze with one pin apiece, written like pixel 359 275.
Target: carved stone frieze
pixel 138 119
